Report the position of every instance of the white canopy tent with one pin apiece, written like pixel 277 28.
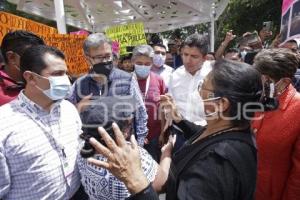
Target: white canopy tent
pixel 97 15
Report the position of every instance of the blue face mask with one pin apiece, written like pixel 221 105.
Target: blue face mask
pixel 142 71
pixel 60 87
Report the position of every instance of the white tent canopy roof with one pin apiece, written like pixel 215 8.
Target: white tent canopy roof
pixel 157 15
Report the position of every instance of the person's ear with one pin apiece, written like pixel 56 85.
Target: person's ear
pixel 224 105
pixel 11 57
pixel 29 78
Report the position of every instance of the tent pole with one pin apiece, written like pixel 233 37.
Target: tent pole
pixel 60 16
pixel 212 28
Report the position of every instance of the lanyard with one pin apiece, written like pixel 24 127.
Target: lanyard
pixel 147 87
pixel 45 129
pixel 66 167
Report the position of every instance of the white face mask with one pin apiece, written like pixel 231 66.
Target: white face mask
pixel 60 87
pixel 142 71
pixel 243 54
pixel 159 60
pixel 210 114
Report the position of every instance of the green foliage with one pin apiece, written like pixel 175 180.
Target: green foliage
pixel 240 16
pixel 248 15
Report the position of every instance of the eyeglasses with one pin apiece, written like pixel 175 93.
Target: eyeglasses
pixel 99 59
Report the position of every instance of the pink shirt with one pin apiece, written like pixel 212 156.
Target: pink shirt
pixel 151 98
pixel 6 94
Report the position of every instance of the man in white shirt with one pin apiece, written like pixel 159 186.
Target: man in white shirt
pixel 39 132
pixel 159 67
pixel 185 80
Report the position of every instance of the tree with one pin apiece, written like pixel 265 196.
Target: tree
pixel 248 15
pixel 240 16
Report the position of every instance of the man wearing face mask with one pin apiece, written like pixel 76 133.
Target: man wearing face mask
pixel 159 67
pixel 106 80
pixel 39 132
pixel 151 86
pixel 278 129
pixel 12 47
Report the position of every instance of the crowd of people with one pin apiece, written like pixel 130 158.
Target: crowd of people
pixel 173 119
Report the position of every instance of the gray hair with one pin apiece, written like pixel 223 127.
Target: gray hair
pixel 95 40
pixel 143 50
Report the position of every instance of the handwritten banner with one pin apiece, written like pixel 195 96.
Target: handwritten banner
pixel 10 22
pixel 71 45
pixel 127 35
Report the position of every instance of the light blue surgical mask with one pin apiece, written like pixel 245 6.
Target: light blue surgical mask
pixel 60 87
pixel 142 71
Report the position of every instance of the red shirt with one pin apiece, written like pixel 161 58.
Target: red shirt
pixel 151 98
pixel 278 142
pixel 6 95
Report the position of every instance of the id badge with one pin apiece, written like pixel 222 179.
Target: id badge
pixel 67 167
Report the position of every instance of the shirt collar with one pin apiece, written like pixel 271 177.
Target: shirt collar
pixel 286 97
pixel 34 108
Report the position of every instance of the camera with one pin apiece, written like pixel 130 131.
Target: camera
pixel 104 112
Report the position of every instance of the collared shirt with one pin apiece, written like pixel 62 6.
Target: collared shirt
pixel 164 71
pixel 6 95
pixel 118 86
pixel 38 150
pixel 99 183
pixel 184 89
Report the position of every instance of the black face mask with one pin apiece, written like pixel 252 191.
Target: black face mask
pixel 103 68
pixel 270 103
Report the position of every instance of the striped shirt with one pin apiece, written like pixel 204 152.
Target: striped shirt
pixel 38 150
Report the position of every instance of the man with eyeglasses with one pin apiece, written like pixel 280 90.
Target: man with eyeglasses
pixel 13 46
pixel 159 67
pixel 106 81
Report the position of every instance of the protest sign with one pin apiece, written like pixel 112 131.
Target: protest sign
pixel 290 20
pixel 10 22
pixel 128 35
pixel 71 45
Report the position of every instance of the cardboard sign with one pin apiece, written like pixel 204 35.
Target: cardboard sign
pixel 290 20
pixel 10 22
pixel 127 35
pixel 71 45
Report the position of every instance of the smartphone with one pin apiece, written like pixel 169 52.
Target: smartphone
pixel 268 25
